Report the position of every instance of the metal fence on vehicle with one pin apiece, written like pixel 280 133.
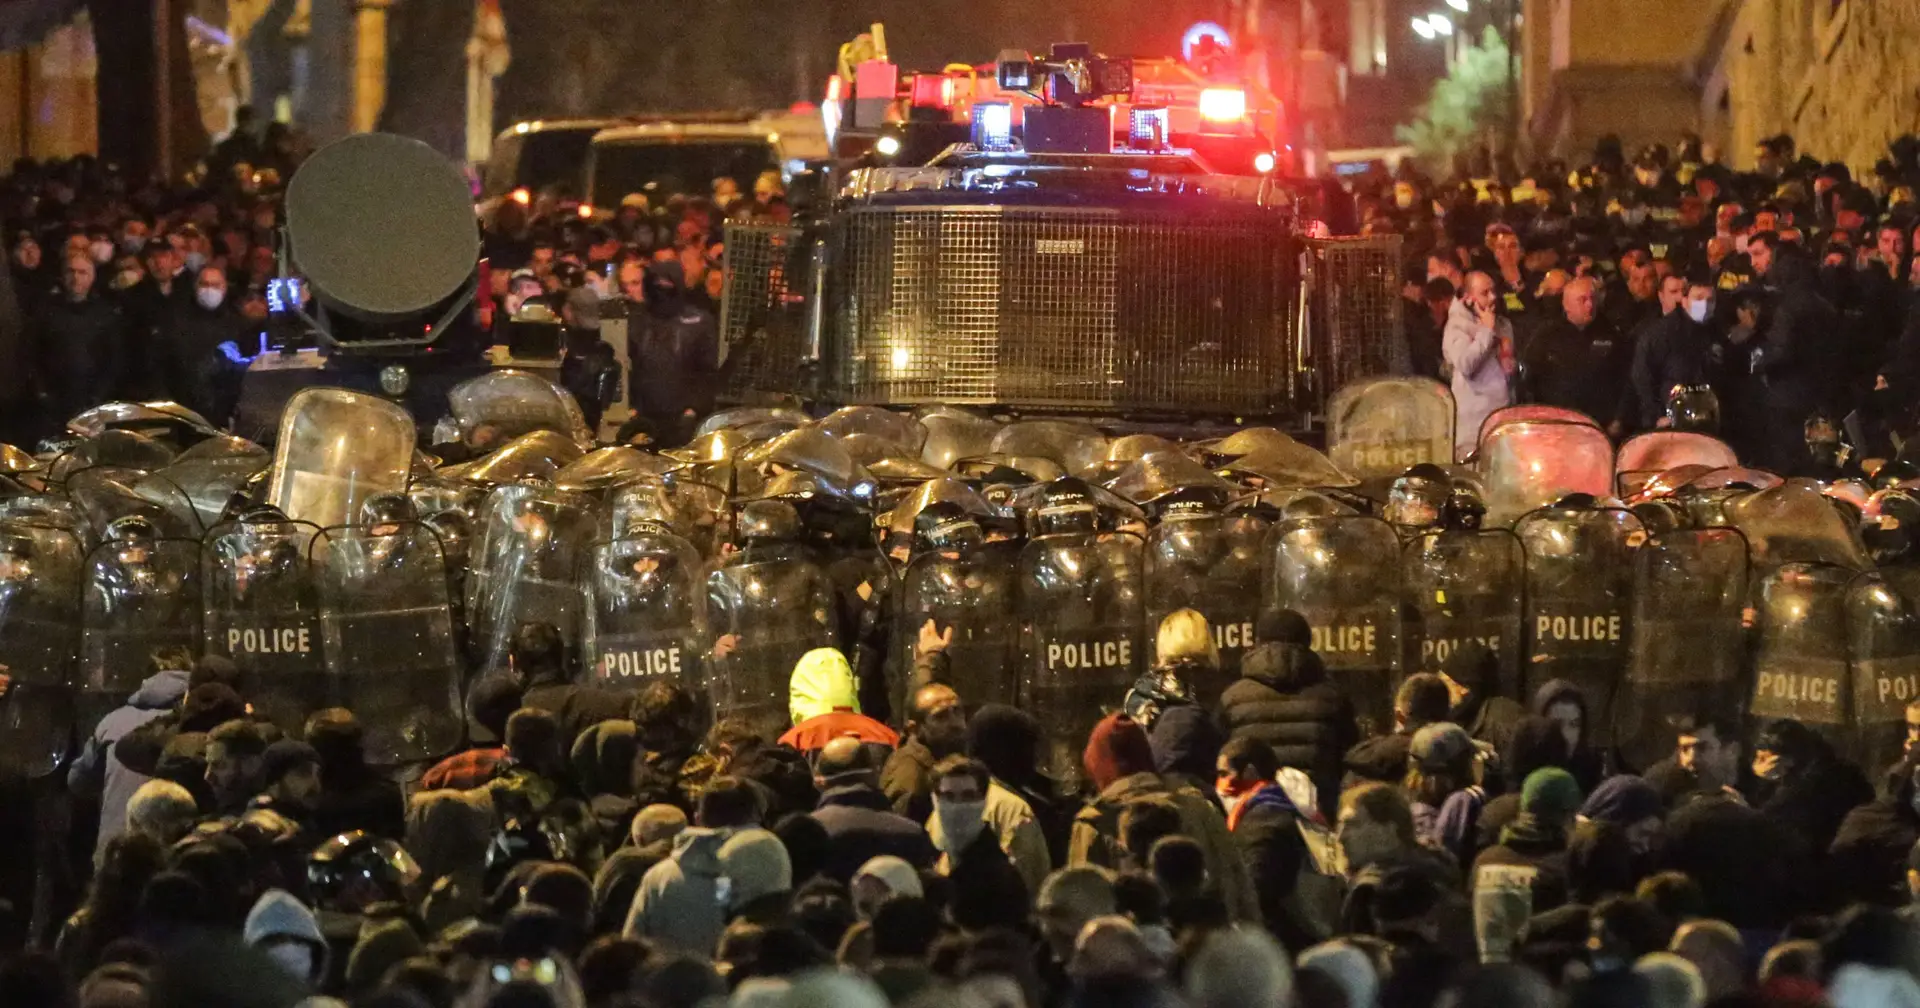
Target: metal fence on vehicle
pixel 1354 311
pixel 765 342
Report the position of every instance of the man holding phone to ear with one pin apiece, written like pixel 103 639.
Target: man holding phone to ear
pixel 1478 347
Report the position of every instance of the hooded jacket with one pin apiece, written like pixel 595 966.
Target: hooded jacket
pixel 448 833
pixel 158 694
pixel 1480 383
pixel 1584 762
pixel 862 825
pixel 679 905
pixel 1283 698
pixel 824 702
pixel 282 927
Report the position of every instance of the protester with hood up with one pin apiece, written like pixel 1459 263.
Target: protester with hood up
pixel 1632 806
pixel 1868 858
pixel 673 355
pixel 287 931
pixel 353 796
pixel 1479 701
pixel 1284 699
pixel 1421 700
pixel 1803 785
pixel 825 704
pixel 1007 739
pixel 603 759
pixel 1534 743
pixel 858 818
pixel 678 905
pixel 1563 703
pixel 99 770
pixel 448 833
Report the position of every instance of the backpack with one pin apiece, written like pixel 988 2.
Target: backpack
pixel 1320 888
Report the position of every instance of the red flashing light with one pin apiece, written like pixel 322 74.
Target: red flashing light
pixel 1223 105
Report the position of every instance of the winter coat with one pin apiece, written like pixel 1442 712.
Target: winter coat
pixel 358 798
pixel 194 371
pixel 1795 361
pixel 80 353
pixel 1868 859
pixel 1382 758
pixel 1579 368
pixel 1283 698
pixel 1480 384
pixel 576 707
pixel 619 879
pixel 1750 870
pixel 1584 762
pixel 1266 832
pixel 1012 820
pixel 678 906
pixel 1540 853
pixel 14 373
pixel 988 891
pixel 1812 801
pixel 861 825
pixel 158 694
pixel 1096 836
pixel 1672 350
pixel 907 779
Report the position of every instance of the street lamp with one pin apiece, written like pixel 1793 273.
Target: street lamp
pixel 1423 29
pixel 1459 5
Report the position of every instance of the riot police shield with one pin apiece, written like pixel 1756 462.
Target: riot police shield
pixel 1800 663
pixel 1795 523
pixel 1080 620
pixel 1074 446
pixel 1883 645
pixel 645 618
pixel 40 574
pixel 1531 412
pixel 972 593
pixel 766 607
pixel 387 624
pixel 262 610
pixel 609 468
pixel 536 455
pixel 1579 602
pixel 1686 644
pixel 1385 426
pixel 1462 586
pixel 105 494
pixel 954 434
pixel 141 594
pixel 509 403
pixel 902 432
pixel 526 566
pixel 1212 564
pixel 1532 463
pixel 1648 455
pixel 336 449
pixel 1342 572
pixel 694 511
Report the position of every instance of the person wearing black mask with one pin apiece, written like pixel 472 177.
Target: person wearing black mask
pixel 673 352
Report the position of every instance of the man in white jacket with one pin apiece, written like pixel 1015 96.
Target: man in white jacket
pixel 1478 346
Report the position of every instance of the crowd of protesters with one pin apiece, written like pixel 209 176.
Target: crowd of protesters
pixel 594 848
pixel 1601 286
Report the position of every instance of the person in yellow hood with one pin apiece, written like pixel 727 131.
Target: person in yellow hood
pixel 825 704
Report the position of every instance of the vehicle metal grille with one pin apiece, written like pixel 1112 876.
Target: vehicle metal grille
pixel 765 341
pixel 1354 287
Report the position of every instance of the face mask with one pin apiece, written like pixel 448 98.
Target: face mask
pixel 102 251
pixel 210 297
pixel 960 823
pixel 195 260
pixel 1697 310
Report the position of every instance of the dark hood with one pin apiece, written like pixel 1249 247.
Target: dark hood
pixel 1556 691
pixel 1792 270
pixel 1006 739
pixel 1286 668
pixel 1536 743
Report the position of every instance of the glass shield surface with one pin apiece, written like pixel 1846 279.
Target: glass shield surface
pixel 1081 637
pixel 335 449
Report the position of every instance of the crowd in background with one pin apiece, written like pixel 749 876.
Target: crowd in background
pixel 1602 285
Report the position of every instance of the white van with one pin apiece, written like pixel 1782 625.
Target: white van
pixel 686 154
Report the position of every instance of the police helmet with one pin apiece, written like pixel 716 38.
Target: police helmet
pixel 1693 408
pixel 386 509
pixel 1895 471
pixel 1577 502
pixel 455 532
pixel 1464 510
pixel 768 521
pixel 1418 497
pixel 262 514
pixel 1067 507
pixel 351 871
pixel 132 528
pixel 946 525
pixel 1849 496
pixel 1661 515
pixel 1192 501
pixel 1888 523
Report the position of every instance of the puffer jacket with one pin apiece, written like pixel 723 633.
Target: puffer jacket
pixel 679 905
pixel 1283 698
pixel 1096 837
